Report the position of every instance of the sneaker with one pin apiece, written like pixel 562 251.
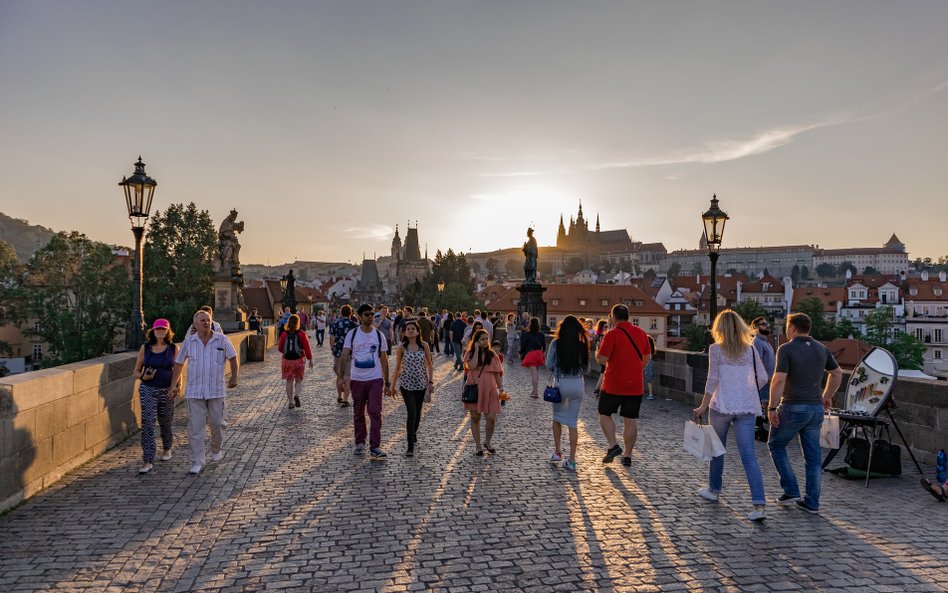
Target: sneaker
pixel 144 469
pixel 612 453
pixel 627 461
pixel 344 403
pixel 803 506
pixel 569 466
pixel 757 515
pixel 377 454
pixel 556 457
pixel 410 452
pixel 296 400
pixel 787 499
pixel 217 456
pixel 360 449
pixel 195 469
pixel 649 396
pixel 166 455
pixel 706 494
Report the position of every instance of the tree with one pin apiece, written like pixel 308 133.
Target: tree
pixel 574 265
pixel 650 275
pixel 804 273
pixel 492 266
pixel 674 269
pixel 10 270
pixel 847 266
pixel 513 268
pixel 814 308
pixel 697 337
pixel 826 270
pixel 178 269
pixel 78 295
pixel 795 274
pixel 908 351
pixel 870 271
pixel 750 310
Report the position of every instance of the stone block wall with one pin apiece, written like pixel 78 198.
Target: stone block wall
pixel 53 420
pixel 921 406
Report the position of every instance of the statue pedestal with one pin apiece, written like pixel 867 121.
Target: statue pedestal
pixel 531 302
pixel 227 304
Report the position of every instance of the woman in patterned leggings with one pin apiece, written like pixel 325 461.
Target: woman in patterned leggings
pixel 153 367
pixel 414 376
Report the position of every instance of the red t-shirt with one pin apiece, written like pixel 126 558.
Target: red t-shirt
pixel 624 369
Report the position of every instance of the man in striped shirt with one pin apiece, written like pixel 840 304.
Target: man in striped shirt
pixel 207 351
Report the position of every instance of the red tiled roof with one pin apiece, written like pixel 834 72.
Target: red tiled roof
pixel 829 296
pixel 847 351
pixel 258 297
pixel 565 298
pixel 758 285
pixel 925 291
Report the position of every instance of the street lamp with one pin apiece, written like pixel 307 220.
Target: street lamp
pixel 714 220
pixel 283 283
pixel 139 190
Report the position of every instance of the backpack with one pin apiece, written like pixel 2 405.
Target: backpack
pixel 291 348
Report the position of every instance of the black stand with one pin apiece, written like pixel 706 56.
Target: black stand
pixel 531 302
pixel 870 426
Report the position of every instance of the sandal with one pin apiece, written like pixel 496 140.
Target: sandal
pixel 490 449
pixel 928 486
pixel 478 453
pixel 292 406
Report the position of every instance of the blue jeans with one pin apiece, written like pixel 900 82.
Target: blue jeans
pixel 744 425
pixel 457 354
pixel 805 420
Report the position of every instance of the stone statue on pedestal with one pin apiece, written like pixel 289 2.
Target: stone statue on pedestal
pixel 228 258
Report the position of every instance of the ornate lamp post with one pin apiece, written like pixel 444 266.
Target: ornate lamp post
pixel 714 220
pixel 283 283
pixel 440 293
pixel 139 190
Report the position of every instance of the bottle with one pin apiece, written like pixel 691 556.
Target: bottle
pixel 941 467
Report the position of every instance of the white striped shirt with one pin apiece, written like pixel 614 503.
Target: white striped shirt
pixel 206 369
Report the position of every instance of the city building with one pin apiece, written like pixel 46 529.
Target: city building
pixel 926 318
pixel 891 258
pixel 406 264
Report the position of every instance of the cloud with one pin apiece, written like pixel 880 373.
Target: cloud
pixel 377 232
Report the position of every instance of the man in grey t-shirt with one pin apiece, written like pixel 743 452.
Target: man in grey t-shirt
pixel 801 363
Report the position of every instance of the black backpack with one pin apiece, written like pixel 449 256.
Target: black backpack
pixel 291 348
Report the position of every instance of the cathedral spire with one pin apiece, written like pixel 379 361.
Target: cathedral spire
pixel 597 222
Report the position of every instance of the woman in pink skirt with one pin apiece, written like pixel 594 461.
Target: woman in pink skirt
pixel 533 353
pixel 295 348
pixel 485 369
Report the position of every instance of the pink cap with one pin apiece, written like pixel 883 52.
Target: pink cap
pixel 161 323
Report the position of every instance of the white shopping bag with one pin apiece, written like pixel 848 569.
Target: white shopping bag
pixel 702 442
pixel 829 432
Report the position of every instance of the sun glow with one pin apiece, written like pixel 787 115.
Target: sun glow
pixel 505 214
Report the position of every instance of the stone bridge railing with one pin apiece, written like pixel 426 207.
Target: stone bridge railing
pixel 54 420
pixel 921 406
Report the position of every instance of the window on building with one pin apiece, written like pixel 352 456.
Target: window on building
pixel 937 354
pixel 918 334
pixel 604 302
pixel 653 323
pixel 37 352
pixel 635 321
pixel 37 326
pixel 556 301
pixel 638 303
pixel 552 320
pixel 582 302
pixel 938 336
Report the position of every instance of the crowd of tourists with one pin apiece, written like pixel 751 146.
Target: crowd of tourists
pixel 751 390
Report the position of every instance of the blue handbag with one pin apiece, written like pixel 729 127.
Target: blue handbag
pixel 552 392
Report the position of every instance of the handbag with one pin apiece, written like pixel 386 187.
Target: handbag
pixel 702 442
pixel 886 456
pixel 469 393
pixel 829 432
pixel 552 392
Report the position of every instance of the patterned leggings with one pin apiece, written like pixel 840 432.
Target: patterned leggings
pixel 155 402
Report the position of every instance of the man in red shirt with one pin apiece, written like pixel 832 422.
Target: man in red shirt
pixel 624 352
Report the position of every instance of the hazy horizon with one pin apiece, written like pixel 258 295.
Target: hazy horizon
pixel 815 123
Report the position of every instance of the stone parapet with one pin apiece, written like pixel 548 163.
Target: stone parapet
pixel 53 420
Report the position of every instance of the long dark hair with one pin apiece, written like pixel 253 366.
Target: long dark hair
pixel 535 325
pixel 572 346
pixel 485 355
pixel 405 337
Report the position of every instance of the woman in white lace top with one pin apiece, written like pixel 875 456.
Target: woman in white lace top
pixel 735 373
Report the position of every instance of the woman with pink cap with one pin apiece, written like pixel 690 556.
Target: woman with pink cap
pixel 154 367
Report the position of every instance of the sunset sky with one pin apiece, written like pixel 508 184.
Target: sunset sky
pixel 327 123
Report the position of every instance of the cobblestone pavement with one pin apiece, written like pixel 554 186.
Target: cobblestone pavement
pixel 290 508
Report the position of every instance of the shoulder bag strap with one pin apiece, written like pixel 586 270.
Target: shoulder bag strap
pixel 754 363
pixel 631 341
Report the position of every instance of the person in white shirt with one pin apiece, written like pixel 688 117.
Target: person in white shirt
pixel 320 327
pixel 735 373
pixel 206 353
pixel 365 347
pixel 215 327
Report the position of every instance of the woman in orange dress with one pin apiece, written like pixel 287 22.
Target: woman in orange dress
pixel 484 368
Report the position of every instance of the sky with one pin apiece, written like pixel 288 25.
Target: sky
pixel 325 124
